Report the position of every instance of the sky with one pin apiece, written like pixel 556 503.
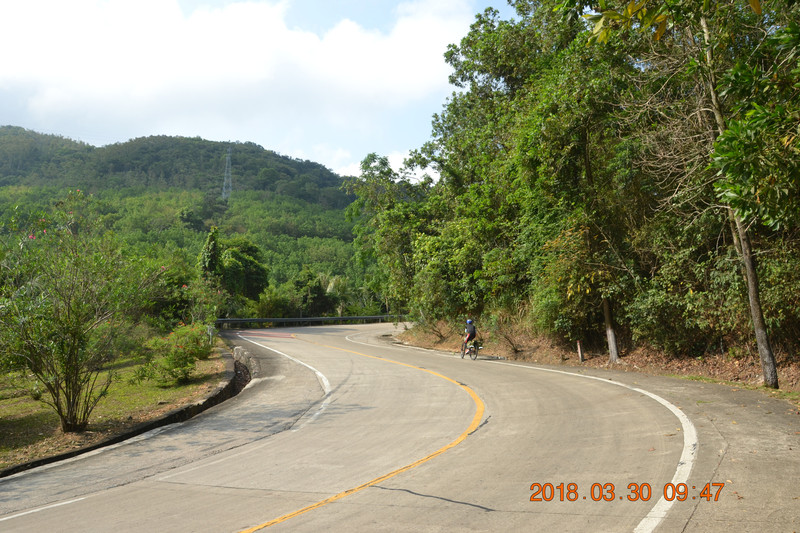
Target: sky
pixel 328 81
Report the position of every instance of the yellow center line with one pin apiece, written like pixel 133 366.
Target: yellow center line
pixel 476 420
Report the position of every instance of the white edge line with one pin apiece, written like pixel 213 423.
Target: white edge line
pixel 320 377
pixel 690 443
pixel 323 381
pixel 41 509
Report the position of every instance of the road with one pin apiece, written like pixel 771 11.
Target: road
pixel 345 430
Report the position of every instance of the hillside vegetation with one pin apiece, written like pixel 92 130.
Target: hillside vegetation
pixel 130 251
pixel 156 163
pixel 621 174
pixel 161 195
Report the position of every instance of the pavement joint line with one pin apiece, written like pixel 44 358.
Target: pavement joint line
pixel 42 509
pixel 476 420
pixel 690 444
pixel 320 377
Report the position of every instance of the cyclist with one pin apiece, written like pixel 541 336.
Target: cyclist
pixel 469 331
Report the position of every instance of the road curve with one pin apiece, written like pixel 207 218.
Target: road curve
pixel 348 431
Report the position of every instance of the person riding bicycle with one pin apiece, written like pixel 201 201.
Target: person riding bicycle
pixel 469 331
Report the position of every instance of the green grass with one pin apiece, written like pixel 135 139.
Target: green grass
pixel 705 379
pixel 792 396
pixel 30 429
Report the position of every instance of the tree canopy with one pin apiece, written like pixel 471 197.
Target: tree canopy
pixel 627 177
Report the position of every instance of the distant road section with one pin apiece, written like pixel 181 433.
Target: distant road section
pixel 346 430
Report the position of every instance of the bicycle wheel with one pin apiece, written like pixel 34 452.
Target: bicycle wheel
pixel 473 352
pixel 463 349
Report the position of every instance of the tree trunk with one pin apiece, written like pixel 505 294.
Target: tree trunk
pixel 746 253
pixel 756 313
pixel 611 336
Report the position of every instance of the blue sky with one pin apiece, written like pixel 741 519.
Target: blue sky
pixel 324 80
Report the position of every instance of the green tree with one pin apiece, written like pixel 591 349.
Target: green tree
pixel 388 214
pixel 203 301
pixel 210 260
pixel 274 302
pixel 243 271
pixel 310 295
pixel 68 295
pixel 720 34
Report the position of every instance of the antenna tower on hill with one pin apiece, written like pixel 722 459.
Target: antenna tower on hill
pixel 227 185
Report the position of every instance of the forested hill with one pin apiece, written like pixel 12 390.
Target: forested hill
pixel 157 163
pixel 161 196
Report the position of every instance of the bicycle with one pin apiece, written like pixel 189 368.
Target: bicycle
pixel 471 350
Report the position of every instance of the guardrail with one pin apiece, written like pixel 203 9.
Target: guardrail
pixel 308 320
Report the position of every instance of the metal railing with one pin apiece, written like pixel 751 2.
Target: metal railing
pixel 309 320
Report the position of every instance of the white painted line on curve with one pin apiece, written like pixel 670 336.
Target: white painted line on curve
pixel 323 381
pixel 690 443
pixel 320 377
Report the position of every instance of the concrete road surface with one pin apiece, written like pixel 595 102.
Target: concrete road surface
pixel 347 431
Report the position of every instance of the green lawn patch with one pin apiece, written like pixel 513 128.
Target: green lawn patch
pixel 30 429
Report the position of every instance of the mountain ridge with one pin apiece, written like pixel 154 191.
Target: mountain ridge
pixel 158 162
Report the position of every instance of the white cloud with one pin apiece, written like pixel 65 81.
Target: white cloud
pixel 104 71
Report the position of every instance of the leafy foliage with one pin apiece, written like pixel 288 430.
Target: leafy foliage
pixel 577 189
pixel 174 357
pixel 68 296
pixel 162 195
pixel 161 163
pixel 758 156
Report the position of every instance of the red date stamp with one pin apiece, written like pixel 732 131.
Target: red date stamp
pixel 634 492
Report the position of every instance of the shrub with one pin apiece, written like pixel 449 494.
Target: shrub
pixel 173 358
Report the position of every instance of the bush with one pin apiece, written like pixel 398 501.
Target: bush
pixel 780 295
pixel 173 358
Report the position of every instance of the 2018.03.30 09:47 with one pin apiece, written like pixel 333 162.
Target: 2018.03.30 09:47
pixel 607 492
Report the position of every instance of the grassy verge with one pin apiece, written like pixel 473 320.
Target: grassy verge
pixel 30 430
pixel 792 396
